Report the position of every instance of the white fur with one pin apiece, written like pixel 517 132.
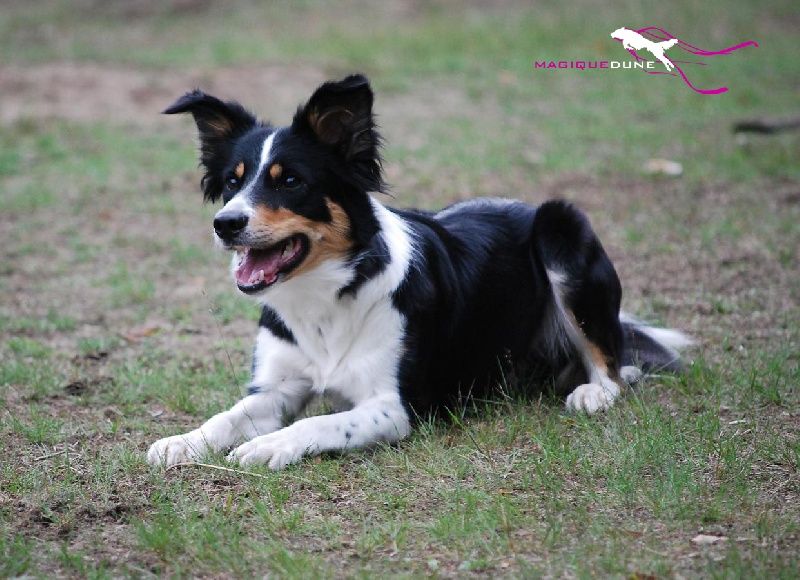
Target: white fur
pixel 266 149
pixel 597 395
pixel 667 337
pixel 243 196
pixel 477 203
pixel 347 347
pixel 601 391
pixel 241 203
pixel 630 374
pixel 558 332
pixel 672 340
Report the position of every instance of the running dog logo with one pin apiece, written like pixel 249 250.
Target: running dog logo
pixel 657 41
pixel 632 40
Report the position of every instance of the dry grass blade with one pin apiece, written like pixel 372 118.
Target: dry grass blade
pixel 217 467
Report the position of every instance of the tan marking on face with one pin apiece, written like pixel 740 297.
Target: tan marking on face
pixel 239 171
pixel 276 171
pixel 327 241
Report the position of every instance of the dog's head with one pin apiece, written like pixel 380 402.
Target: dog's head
pixel 294 196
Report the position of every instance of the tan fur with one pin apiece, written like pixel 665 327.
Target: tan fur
pixel 603 363
pixel 239 171
pixel 327 240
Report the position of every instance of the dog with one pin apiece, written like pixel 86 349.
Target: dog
pixel 632 40
pixel 395 314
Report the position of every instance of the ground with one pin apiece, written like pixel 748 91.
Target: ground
pixel 120 325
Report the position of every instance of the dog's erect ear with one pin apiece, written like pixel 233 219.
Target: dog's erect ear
pixel 340 114
pixel 219 124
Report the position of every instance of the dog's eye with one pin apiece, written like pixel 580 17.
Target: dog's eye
pixel 231 183
pixel 291 181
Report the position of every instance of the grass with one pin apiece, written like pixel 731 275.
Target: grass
pixel 119 325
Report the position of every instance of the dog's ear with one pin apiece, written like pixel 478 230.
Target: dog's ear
pixel 219 124
pixel 340 114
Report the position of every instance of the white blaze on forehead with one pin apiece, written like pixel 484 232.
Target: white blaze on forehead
pixel 241 202
pixel 266 148
pixel 265 151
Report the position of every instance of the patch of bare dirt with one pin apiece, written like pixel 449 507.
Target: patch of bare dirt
pixel 90 93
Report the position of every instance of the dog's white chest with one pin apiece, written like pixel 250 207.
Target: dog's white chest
pixel 353 351
pixel 346 346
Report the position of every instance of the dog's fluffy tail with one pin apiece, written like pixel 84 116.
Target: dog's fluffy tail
pixel 652 349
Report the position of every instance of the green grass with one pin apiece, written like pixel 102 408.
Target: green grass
pixel 119 326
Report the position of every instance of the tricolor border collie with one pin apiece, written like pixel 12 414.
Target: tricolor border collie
pixel 395 314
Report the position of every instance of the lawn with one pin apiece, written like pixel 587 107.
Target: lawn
pixel 119 324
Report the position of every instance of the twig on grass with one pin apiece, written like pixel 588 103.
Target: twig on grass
pixel 67 449
pixel 217 467
pixel 49 455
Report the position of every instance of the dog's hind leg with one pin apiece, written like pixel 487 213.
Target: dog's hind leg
pixel 587 296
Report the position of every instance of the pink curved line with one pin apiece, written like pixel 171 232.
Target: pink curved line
pixel 690 49
pixel 673 61
pixel 645 59
pixel 686 80
pixel 695 50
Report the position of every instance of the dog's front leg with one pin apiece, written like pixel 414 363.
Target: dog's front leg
pixel 376 420
pixel 260 413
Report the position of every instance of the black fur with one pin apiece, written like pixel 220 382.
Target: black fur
pixel 221 124
pixel 494 287
pixel 479 300
pixel 272 322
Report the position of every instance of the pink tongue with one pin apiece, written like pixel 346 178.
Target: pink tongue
pixel 248 272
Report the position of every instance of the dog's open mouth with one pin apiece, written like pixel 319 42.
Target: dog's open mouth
pixel 259 268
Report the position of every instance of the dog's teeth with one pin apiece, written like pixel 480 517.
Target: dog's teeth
pixel 288 249
pixel 260 277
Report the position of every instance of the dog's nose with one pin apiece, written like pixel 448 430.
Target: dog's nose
pixel 228 226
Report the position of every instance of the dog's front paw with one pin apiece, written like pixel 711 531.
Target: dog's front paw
pixel 177 449
pixel 276 449
pixel 591 398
